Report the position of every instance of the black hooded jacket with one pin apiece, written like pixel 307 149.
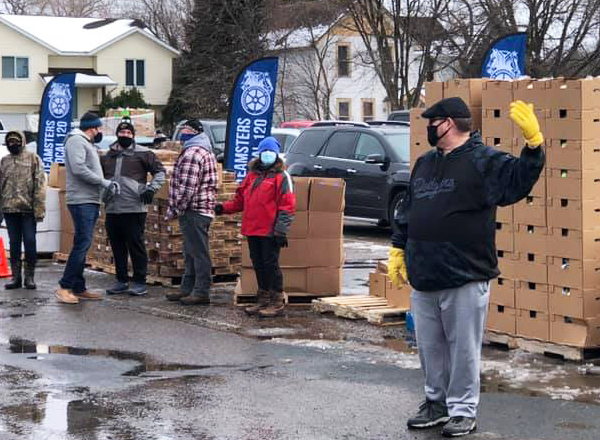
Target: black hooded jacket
pixel 447 222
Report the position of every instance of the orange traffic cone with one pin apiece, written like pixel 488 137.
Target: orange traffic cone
pixel 4 269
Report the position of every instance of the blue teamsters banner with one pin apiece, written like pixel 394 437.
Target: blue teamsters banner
pixel 250 116
pixel 505 59
pixel 55 118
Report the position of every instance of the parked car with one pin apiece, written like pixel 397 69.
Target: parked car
pixel 300 125
pixel 214 129
pixel 286 137
pixel 399 115
pixel 108 140
pixel 374 162
pixel 1 125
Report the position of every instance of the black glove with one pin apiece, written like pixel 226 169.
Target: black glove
pixel 147 196
pixel 219 209
pixel 281 241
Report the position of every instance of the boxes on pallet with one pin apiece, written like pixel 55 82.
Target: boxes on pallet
pixel 531 211
pixel 532 324
pixel 301 191
pixel 469 90
pixel 501 318
pixel 58 176
pixel 573 124
pixel 299 227
pixel 505 237
pixel 434 92
pixel 567 154
pixel 381 286
pixel 327 195
pixel 532 91
pixel 573 214
pixel 530 295
pixel 531 238
pixel 573 243
pixel 504 214
pixel 573 184
pixel 532 267
pixel 507 263
pixel 506 144
pixel 496 94
pixel 580 94
pixel 577 332
pixel 578 274
pixel 496 123
pixel 502 291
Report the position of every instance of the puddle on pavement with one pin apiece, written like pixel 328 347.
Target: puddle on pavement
pixel 145 363
pixel 17 315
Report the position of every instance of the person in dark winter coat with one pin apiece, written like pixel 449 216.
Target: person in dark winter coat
pixel 23 204
pixel 129 164
pixel 267 200
pixel 446 231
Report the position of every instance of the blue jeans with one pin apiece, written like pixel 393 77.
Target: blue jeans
pixel 21 229
pixel 84 220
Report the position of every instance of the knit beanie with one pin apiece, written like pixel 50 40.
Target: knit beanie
pixel 269 144
pixel 194 124
pixel 125 124
pixel 89 120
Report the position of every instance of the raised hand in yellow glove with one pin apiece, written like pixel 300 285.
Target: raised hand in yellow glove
pixel 522 114
pixel 397 267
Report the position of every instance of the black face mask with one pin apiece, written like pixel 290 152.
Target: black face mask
pixel 432 136
pixel 98 138
pixel 124 141
pixel 14 148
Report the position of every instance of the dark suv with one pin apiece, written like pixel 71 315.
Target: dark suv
pixel 373 160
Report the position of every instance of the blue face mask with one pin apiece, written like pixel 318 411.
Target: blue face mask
pixel 268 157
pixel 184 137
pixel 98 138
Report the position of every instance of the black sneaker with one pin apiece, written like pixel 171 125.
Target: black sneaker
pixel 138 289
pixel 459 426
pixel 119 287
pixel 430 414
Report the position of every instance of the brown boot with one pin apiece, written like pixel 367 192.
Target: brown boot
pixel 275 306
pixel 65 296
pixel 89 295
pixel 263 299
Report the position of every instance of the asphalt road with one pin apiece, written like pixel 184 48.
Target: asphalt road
pixel 143 368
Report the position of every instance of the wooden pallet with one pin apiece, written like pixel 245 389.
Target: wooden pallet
pixel 374 309
pixel 565 352
pixel 292 299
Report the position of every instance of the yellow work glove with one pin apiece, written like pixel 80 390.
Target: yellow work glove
pixel 397 267
pixel 522 114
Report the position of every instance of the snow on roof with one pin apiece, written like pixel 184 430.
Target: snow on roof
pixel 296 38
pixel 69 36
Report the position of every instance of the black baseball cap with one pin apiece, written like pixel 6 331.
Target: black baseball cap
pixel 448 108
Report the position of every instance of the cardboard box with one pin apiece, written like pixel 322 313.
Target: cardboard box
pixel 418 124
pixel 506 144
pixel 573 154
pixel 502 292
pixel 66 221
pixel 301 190
pixel 296 254
pixel 501 319
pixel 294 280
pixel 418 146
pixel 573 184
pixel 299 227
pixel 398 297
pixel 58 176
pixel 505 237
pixel 497 94
pixel 504 214
pixel 576 332
pixel 532 267
pixel 507 262
pixel 496 123
pixel 533 324
pixel 325 224
pixel 575 244
pixel 470 90
pixel 532 296
pixel 531 211
pixel 532 91
pixel 327 195
pixel 476 117
pixel 322 253
pixel 573 124
pixel 577 303
pixel 579 94
pixel 163 192
pixel 434 92
pixel 324 280
pixel 573 214
pixel 578 274
pixel 377 284
pixel 530 238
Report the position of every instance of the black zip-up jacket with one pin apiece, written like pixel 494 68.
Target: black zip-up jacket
pixel 447 221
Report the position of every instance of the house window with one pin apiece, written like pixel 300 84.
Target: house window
pixel 343 60
pixel 15 67
pixel 367 110
pixel 135 73
pixel 343 109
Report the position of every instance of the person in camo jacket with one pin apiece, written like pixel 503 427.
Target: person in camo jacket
pixel 23 204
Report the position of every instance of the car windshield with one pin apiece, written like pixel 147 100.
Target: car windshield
pixel 400 142
pixel 219 132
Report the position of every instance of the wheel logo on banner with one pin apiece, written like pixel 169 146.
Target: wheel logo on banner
pixel 503 64
pixel 256 95
pixel 59 101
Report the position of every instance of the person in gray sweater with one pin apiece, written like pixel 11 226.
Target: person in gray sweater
pixel 85 187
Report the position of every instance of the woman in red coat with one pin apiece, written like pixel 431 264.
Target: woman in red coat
pixel 268 203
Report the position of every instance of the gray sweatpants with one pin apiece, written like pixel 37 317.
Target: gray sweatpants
pixel 449 326
pixel 198 274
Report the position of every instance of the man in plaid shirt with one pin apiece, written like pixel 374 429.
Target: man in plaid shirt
pixel 192 200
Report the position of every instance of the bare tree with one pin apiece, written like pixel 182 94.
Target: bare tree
pixel 59 8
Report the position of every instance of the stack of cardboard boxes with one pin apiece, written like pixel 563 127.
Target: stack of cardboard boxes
pixel 547 244
pixel 142 119
pixel 381 286
pixel 312 263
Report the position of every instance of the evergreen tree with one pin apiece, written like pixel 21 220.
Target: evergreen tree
pixel 221 37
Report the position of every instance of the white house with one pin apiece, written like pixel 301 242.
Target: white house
pixel 107 54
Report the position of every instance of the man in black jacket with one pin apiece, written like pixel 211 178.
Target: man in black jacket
pixel 445 245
